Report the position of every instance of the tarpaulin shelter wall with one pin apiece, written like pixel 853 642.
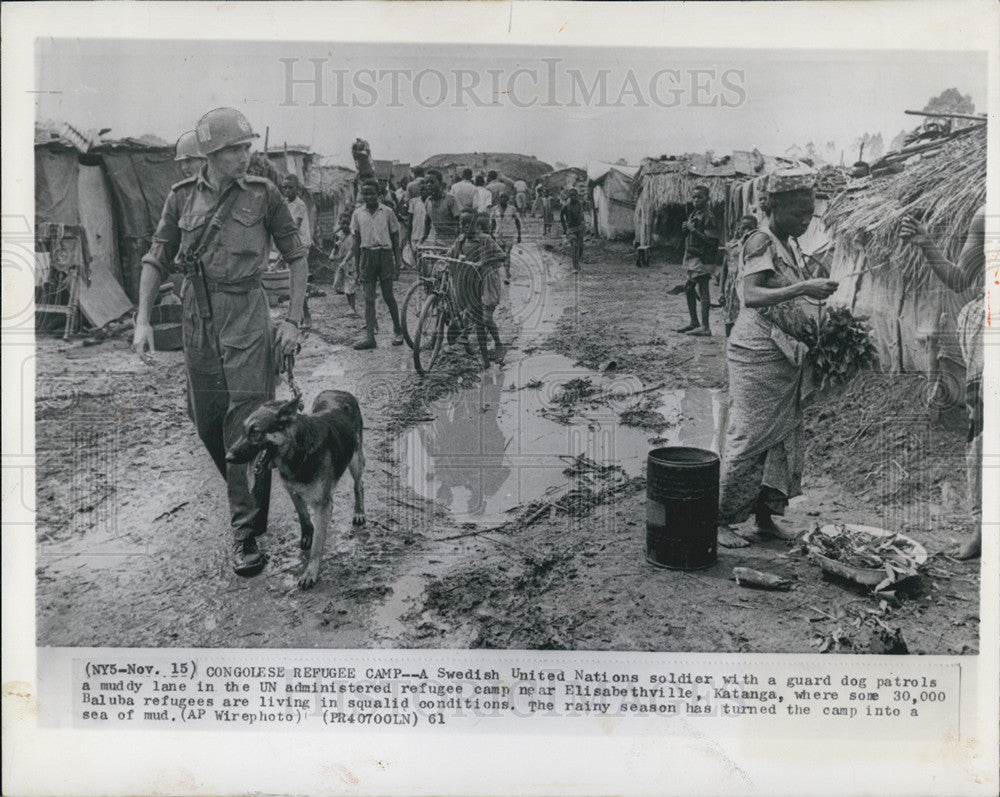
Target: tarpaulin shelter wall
pixel 61 200
pixel 614 204
pixel 77 199
pixel 291 160
pixel 141 176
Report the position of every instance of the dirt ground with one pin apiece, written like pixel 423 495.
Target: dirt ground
pixel 132 519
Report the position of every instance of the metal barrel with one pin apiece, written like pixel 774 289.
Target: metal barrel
pixel 682 507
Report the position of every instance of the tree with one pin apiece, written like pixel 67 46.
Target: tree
pixel 950 101
pixel 873 147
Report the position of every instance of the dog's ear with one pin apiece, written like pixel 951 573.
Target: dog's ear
pixel 288 410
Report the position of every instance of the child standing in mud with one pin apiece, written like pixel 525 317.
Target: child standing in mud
pixel 700 247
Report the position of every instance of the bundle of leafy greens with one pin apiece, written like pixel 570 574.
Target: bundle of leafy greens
pixel 839 347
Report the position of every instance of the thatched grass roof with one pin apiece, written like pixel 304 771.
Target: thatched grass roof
pixel 514 166
pixel 943 189
pixel 670 182
pixel 330 183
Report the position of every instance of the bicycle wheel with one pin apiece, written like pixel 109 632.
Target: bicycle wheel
pixel 409 312
pixel 430 334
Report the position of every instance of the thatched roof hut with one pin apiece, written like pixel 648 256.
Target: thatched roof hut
pixel 663 187
pixel 329 182
pixel 943 187
pixel 669 182
pixel 512 165
pixel 888 280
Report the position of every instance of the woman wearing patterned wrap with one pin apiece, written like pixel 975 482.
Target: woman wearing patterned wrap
pixel 763 456
pixel 969 272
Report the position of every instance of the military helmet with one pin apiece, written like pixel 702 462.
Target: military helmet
pixel 221 128
pixel 187 147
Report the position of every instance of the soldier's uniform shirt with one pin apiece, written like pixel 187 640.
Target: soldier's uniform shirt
pixel 229 357
pixel 240 248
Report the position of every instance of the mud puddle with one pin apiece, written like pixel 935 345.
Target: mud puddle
pixel 507 441
pixel 491 448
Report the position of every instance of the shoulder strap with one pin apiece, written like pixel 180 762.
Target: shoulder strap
pixel 219 215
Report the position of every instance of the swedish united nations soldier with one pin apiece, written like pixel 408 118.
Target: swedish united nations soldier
pixel 188 155
pixel 217 226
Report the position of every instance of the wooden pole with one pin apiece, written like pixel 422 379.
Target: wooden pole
pixel 981 118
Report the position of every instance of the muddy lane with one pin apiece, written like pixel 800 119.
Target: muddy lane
pixel 506 508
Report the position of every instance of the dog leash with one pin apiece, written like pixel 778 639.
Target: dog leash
pixel 264 460
pixel 288 364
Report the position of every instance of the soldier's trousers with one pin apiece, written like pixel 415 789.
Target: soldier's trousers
pixel 230 372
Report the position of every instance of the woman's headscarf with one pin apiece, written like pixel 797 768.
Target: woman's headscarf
pixel 786 181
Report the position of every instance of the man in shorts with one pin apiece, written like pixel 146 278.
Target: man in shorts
pixel 377 257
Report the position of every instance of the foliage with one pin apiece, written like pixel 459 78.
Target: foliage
pixel 950 101
pixel 840 347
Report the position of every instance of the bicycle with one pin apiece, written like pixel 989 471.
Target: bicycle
pixel 442 317
pixel 409 310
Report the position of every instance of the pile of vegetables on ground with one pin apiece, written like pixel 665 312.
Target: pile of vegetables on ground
pixel 893 554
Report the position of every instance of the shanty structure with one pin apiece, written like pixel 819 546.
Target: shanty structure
pixel 943 184
pixel 662 189
pixel 97 204
pixel 512 165
pixel 291 159
pixel 391 170
pixel 332 189
pixel 141 172
pixel 561 180
pixel 613 203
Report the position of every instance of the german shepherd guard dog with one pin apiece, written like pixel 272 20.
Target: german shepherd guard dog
pixel 311 453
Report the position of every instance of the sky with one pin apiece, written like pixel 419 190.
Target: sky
pixel 569 105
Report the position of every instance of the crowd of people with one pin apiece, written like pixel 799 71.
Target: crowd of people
pixel 220 223
pixel 392 225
